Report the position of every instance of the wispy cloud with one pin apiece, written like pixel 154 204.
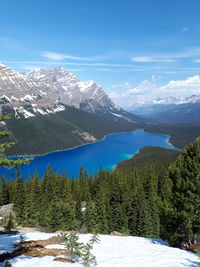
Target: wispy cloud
pixel 60 56
pixel 58 63
pixel 151 59
pixel 185 29
pixel 123 85
pixel 167 57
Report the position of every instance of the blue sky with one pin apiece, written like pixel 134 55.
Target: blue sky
pixel 135 49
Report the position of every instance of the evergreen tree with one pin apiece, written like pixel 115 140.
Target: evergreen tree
pixel 10 224
pixel 4 192
pixel 19 197
pixel 72 245
pixel 4 161
pixel 91 218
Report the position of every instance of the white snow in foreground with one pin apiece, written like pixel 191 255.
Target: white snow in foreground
pixel 125 251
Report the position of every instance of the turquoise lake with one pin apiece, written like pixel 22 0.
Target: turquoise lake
pixel 105 153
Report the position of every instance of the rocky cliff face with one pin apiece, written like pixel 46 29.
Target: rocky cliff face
pixel 49 91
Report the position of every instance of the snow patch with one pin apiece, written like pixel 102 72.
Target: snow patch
pixel 117 115
pixel 20 110
pixel 84 86
pixel 112 251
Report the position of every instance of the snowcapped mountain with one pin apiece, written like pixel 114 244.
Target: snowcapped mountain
pixel 49 91
pixel 184 109
pixel 176 100
pixel 166 104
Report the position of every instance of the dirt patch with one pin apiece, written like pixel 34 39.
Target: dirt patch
pixel 193 248
pixel 117 234
pixel 63 260
pixel 35 249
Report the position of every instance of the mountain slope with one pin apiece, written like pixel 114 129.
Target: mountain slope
pixel 183 113
pixel 148 156
pixel 62 130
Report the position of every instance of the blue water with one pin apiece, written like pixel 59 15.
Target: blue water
pixel 105 153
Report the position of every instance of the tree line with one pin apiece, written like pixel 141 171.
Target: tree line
pixel 154 201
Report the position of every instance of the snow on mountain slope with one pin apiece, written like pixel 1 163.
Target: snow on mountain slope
pixel 113 251
pixel 11 80
pixel 48 89
pixel 163 105
pixel 177 100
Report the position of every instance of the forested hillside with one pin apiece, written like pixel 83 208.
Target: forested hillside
pixel 148 156
pixel 181 134
pixel 62 130
pixel 159 200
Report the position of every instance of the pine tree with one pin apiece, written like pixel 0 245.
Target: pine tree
pixel 4 161
pixel 35 198
pixel 10 224
pixel 91 218
pixel 4 192
pixel 19 197
pixel 72 245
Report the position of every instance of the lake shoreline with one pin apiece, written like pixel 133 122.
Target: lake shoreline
pixel 106 153
pixel 60 150
pixel 93 142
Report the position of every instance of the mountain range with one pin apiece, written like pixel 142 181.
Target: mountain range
pixel 52 109
pixel 171 109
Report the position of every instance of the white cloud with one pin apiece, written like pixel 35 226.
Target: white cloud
pixel 148 90
pixel 143 88
pixel 150 59
pixel 182 87
pixel 126 95
pixel 53 56
pixel 141 59
pixel 123 85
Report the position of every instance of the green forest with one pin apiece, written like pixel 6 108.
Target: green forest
pixel 154 194
pixel 160 200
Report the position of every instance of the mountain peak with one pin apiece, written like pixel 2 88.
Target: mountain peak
pixel 45 91
pixel 2 65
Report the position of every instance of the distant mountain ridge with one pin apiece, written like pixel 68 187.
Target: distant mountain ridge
pixel 171 109
pixel 183 113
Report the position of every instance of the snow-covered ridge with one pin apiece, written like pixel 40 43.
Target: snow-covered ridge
pixel 112 251
pixel 44 89
pixel 170 100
